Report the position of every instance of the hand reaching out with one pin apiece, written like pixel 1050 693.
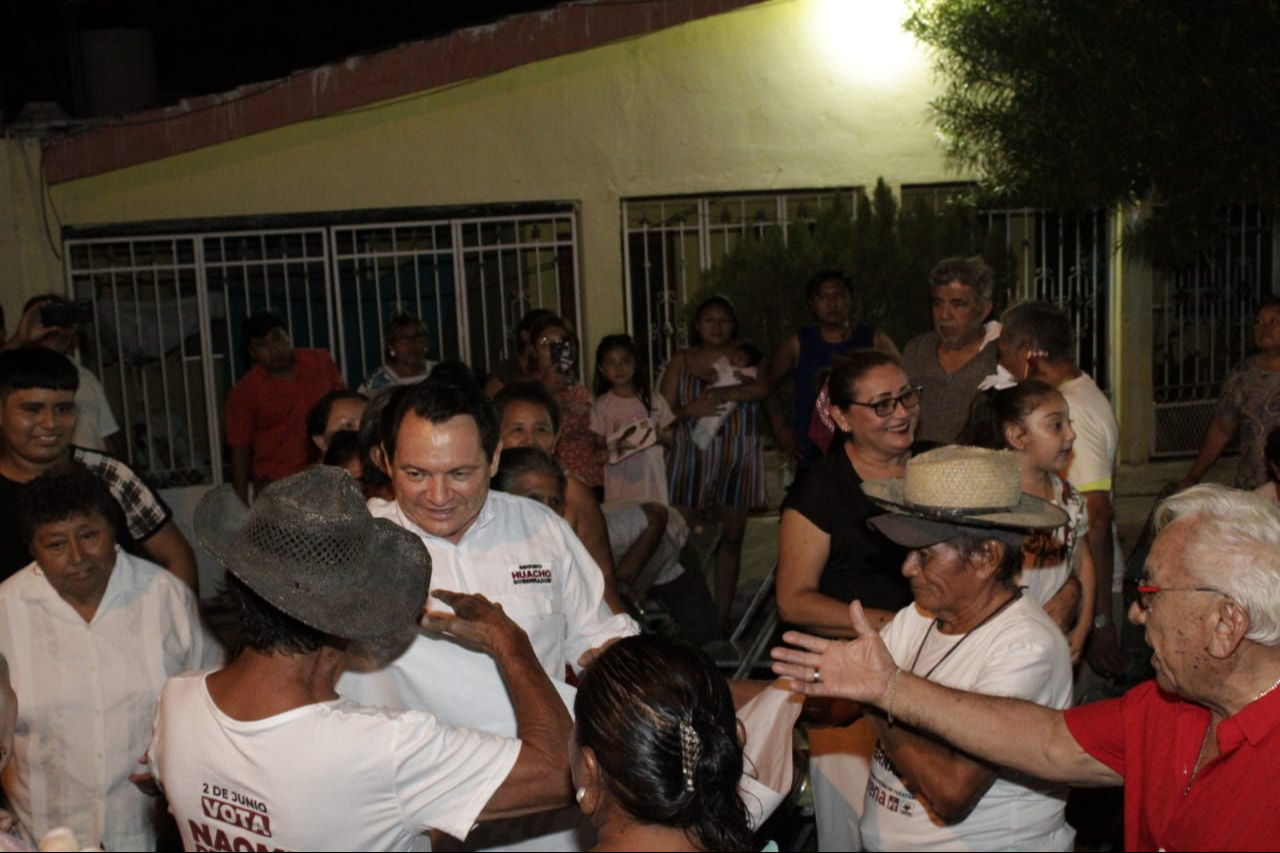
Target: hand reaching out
pixel 859 670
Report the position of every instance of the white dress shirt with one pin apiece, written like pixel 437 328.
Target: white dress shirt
pixel 86 696
pixel 524 556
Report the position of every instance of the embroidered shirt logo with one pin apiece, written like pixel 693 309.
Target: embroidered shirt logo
pixel 530 573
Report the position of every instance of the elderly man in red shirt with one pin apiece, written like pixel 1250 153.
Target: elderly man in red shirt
pixel 267 410
pixel 1196 749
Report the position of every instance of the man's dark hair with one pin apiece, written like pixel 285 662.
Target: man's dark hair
pixel 63 492
pixel 438 402
pixel 261 324
pixel 528 392
pixel 318 417
pixel 36 367
pixel 455 372
pixel 1040 325
pixel 263 627
pixel 821 277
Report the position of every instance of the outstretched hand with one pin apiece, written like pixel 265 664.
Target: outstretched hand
pixel 860 670
pixel 475 620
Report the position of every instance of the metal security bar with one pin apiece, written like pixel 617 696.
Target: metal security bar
pixel 503 266
pixel 1065 259
pixel 167 338
pixel 148 345
pixel 1203 326
pixel 669 243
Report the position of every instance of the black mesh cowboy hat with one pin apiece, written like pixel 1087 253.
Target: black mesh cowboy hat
pixel 310 548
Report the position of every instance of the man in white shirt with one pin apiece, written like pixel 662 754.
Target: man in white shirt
pixel 264 754
pixel 441 444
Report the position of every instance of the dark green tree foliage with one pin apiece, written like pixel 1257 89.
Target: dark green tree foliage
pixel 887 251
pixel 1090 103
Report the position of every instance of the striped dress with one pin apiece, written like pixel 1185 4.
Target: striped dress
pixel 730 472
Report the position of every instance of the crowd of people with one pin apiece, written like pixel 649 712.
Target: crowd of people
pixel 433 632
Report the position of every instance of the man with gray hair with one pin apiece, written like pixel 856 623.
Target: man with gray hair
pixel 950 361
pixel 1196 748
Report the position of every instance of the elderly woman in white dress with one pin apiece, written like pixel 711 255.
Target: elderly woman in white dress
pixel 90 633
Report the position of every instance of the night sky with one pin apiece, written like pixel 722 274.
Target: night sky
pixel 206 46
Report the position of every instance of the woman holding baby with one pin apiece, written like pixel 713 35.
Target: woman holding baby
pixel 716 460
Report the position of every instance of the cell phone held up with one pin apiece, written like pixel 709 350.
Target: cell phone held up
pixel 65 315
pixel 564 357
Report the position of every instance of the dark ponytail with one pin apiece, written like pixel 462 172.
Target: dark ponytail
pixel 996 409
pixel 659 717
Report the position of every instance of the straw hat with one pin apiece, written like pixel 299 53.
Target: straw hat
pixel 310 547
pixel 958 489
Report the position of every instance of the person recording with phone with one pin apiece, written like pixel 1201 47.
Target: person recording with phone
pixel 51 321
pixel 555 365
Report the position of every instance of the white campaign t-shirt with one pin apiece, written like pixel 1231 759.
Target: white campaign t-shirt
pixel 327 776
pixel 1019 653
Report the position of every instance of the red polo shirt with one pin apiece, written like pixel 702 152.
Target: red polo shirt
pixel 270 414
pixel 1153 738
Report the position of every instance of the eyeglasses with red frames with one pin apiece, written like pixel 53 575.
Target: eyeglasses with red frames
pixel 884 408
pixel 1144 593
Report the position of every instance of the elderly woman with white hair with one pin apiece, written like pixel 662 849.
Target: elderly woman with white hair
pixel 1196 748
pixel 90 633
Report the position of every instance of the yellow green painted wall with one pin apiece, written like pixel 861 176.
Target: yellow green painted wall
pixel 28 263
pixel 789 94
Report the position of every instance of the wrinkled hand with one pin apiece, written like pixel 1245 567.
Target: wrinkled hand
pixel 858 670
pixel 476 621
pixel 1104 652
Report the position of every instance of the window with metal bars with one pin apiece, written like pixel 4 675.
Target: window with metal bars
pixel 166 337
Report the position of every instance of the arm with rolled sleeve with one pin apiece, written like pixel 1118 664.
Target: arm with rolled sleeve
pixel 588 623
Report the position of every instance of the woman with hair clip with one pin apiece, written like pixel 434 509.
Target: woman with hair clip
pixel 655 754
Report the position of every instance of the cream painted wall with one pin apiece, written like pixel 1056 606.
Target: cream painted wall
pixel 760 98
pixel 26 249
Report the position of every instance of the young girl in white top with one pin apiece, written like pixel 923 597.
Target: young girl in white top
pixel 630 423
pixel 1032 419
